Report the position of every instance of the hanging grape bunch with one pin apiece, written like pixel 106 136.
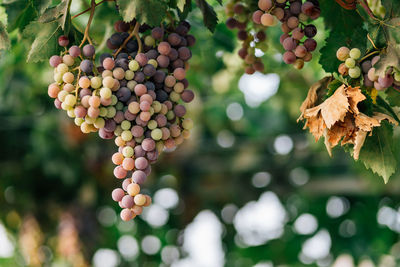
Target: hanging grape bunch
pixel 135 96
pixel 297 38
pixel 251 35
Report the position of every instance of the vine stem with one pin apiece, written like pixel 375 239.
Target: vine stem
pixel 77 83
pixel 365 5
pixel 88 9
pixel 86 35
pixel 368 55
pixel 135 33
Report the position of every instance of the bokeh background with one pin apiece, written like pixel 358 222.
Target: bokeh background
pixel 250 187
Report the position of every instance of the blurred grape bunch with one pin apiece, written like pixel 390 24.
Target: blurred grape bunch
pixel 31 240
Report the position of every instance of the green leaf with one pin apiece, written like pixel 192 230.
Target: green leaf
pixel 390 59
pixel 387 107
pixel 393 96
pixel 181 5
pixel 377 152
pixel 340 19
pixel 59 13
pixel 337 39
pixel 19 13
pixel 392 8
pixel 4 40
pixel 151 12
pixel 209 16
pixel 41 5
pixel 43 37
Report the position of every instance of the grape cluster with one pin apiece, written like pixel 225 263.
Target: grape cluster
pixel 297 38
pixel 136 96
pixel 249 33
pixel 364 70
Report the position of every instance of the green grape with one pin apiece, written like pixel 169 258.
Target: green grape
pixel 355 72
pixel 103 112
pixel 99 123
pixel 134 65
pixel 96 82
pixel 126 135
pixel 397 76
pixel 105 93
pixel 350 63
pixel 152 124
pixel 127 152
pixel 126 125
pixel 129 75
pixel 355 53
pixel 156 134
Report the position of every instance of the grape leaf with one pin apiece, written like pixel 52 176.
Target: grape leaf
pixel 4 40
pixel 393 97
pixel 377 153
pixel 209 16
pixel 41 5
pixel 151 12
pixel 43 37
pixel 59 12
pixel 392 8
pixel 337 39
pixel 19 13
pixel 340 19
pixel 181 4
pixel 390 59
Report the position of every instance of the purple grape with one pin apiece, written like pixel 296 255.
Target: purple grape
pixel 157 33
pixel 119 117
pixel 63 41
pixel 184 53
pixel 110 125
pixel 180 110
pixel 88 50
pixel 139 177
pixel 289 44
pixel 310 31
pixel 55 61
pixel 139 77
pixel 123 94
pixel 87 66
pixel 149 70
pixel 174 39
pixel 310 44
pixel 116 39
pixel 137 131
pixel 74 51
pixel 148 144
pixel 105 135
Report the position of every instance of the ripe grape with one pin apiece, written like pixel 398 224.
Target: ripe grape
pixel 63 41
pixel 88 50
pixel 86 66
pixel 74 51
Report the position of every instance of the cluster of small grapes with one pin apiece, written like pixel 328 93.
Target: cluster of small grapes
pixel 252 36
pixel 297 38
pixel 134 96
pixel 355 67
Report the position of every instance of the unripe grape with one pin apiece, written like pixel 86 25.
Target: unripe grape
pixel 350 63
pixel 355 53
pixel 343 70
pixel 140 199
pixel 372 76
pixel 53 90
pixel 133 189
pixel 267 19
pixel 355 72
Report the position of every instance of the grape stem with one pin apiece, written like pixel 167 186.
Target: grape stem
pixel 86 35
pixel 365 5
pixel 135 33
pixel 88 9
pixel 77 83
pixel 368 55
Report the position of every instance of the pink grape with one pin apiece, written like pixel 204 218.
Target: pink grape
pixel 117 194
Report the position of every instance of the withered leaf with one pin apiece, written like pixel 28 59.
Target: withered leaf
pixel 358 143
pixel 355 96
pixel 312 96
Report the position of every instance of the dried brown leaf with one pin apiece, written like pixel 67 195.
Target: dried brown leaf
pixel 335 107
pixel 358 143
pixel 312 96
pixel 316 126
pixel 355 96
